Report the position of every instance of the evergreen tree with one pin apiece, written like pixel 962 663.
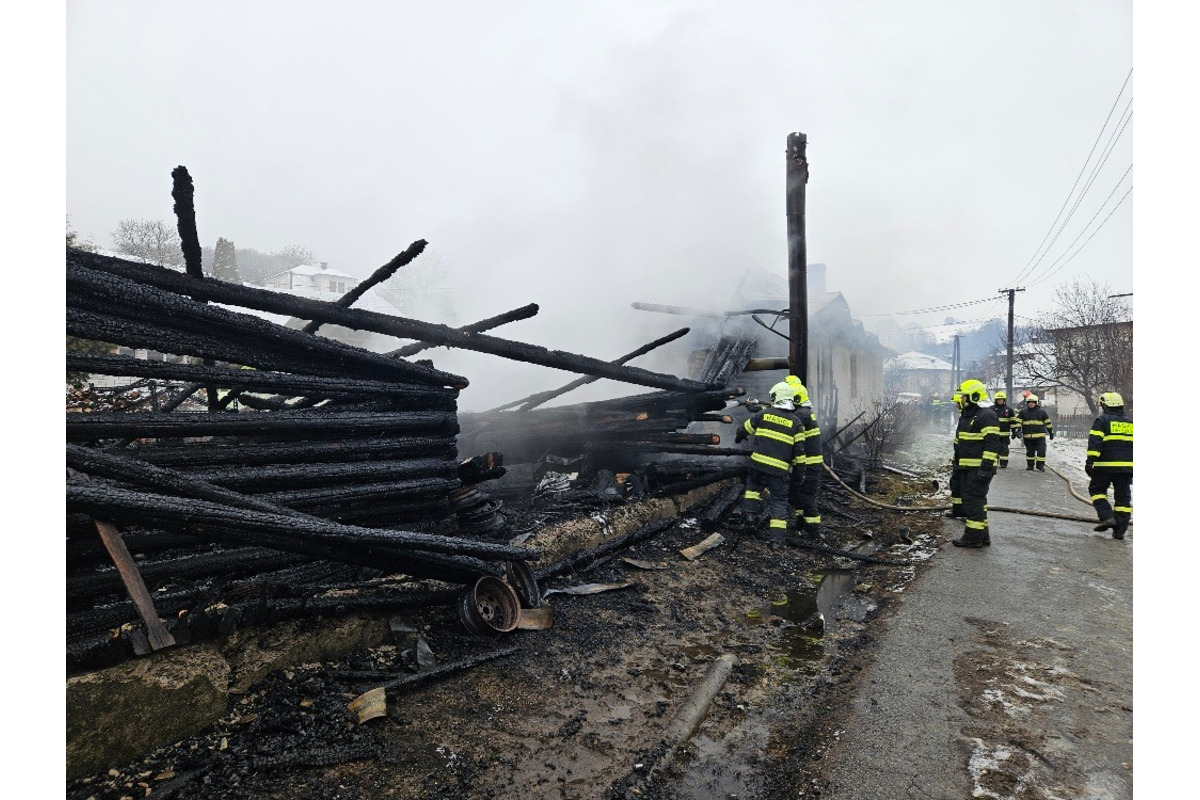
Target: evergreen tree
pixel 224 262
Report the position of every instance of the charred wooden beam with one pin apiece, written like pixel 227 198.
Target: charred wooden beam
pixel 197 455
pixel 616 545
pixel 101 500
pixel 524 312
pixel 242 561
pixel 112 295
pixel 185 211
pixel 418 395
pixel 333 496
pixel 300 476
pixel 207 289
pixel 666 447
pixel 90 427
pixel 377 277
pixel 535 400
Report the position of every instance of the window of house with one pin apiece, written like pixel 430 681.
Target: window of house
pixel 337 286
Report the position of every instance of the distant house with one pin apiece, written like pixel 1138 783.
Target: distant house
pixel 320 282
pixel 920 373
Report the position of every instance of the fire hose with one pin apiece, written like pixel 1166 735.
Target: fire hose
pixel 947 506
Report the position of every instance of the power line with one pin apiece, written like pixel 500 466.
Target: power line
pixel 1098 227
pixel 1050 270
pixel 1026 269
pixel 1086 188
pixel 931 309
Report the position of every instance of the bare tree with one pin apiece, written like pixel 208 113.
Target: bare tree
pixel 888 427
pixel 1092 336
pixel 151 240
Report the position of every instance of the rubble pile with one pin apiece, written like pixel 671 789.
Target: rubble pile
pixel 260 464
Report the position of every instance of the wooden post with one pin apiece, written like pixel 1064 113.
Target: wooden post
pixel 797 178
pixel 156 632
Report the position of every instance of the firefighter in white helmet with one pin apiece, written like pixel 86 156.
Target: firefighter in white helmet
pixel 772 432
pixel 1035 426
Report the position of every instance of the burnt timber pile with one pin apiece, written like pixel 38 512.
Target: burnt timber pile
pixel 335 466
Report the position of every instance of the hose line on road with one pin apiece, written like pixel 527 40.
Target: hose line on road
pixel 947 506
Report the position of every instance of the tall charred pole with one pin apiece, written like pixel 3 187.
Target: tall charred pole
pixel 1012 295
pixel 797 178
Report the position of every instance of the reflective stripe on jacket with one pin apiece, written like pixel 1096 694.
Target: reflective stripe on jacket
pixel 977 439
pixel 1110 443
pixel 1035 424
pixel 774 432
pixel 1005 415
pixel 807 454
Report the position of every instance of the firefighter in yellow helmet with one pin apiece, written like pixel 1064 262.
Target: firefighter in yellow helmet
pixel 773 435
pixel 1109 461
pixel 1036 426
pixel 807 465
pixel 1005 415
pixel 977 442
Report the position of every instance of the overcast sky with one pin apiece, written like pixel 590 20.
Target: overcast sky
pixel 566 153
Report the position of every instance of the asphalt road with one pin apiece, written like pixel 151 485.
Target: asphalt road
pixel 1007 672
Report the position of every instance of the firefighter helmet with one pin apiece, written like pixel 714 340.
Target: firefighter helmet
pixel 1032 398
pixel 783 392
pixel 973 391
pixel 801 398
pixel 1000 396
pixel 957 400
pixel 1112 400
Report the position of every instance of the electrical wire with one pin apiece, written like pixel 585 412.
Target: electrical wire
pixel 1050 270
pixel 932 309
pixel 1098 227
pixel 1030 264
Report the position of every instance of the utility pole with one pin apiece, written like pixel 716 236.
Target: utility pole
pixel 1012 295
pixel 955 378
pixel 797 178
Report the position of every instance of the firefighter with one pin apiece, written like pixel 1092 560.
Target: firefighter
pixel 1110 461
pixel 1005 415
pixel 773 433
pixel 1035 427
pixel 978 438
pixel 807 465
pixel 956 510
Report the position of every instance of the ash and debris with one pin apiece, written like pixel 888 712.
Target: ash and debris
pixel 543 722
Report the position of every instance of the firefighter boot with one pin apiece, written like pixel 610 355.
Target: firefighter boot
pixel 975 535
pixel 1105 524
pixel 1122 524
pixel 1029 467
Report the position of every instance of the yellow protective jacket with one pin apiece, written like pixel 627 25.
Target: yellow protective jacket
pixel 777 436
pixel 1110 443
pixel 808 455
pixel 977 439
pixel 1034 423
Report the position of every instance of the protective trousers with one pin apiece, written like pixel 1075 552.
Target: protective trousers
pixel 1035 452
pixel 956 482
pixel 775 486
pixel 974 504
pixel 1122 508
pixel 1002 453
pixel 804 495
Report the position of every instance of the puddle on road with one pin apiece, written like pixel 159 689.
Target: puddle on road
pixel 802 644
